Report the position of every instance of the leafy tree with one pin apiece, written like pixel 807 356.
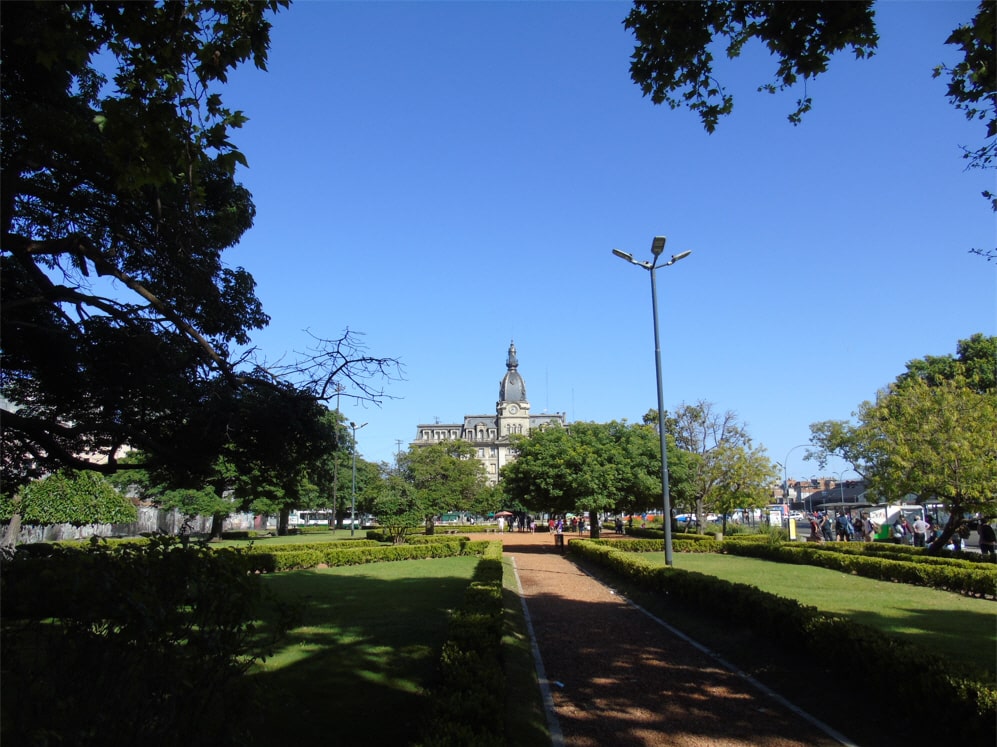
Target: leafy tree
pixel 939 443
pixel 444 476
pixel 743 476
pixel 673 60
pixel 716 440
pixel 589 467
pixel 119 316
pixel 931 433
pixel 66 497
pixel 974 363
pixel 973 87
pixel 397 506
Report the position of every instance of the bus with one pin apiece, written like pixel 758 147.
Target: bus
pixel 883 515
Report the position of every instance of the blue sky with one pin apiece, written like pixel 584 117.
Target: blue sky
pixel 444 177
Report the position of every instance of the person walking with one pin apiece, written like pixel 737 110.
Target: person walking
pixel 988 540
pixel 898 529
pixel 920 531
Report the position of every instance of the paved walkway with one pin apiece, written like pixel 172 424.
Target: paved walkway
pixel 617 676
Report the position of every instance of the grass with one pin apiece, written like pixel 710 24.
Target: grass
pixel 808 680
pixel 355 668
pixel 958 628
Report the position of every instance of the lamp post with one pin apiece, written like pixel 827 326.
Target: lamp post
pixel 657 248
pixel 353 494
pixel 785 472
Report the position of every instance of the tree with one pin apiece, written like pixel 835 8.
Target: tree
pixel 931 433
pixel 396 505
pixel 714 438
pixel 743 476
pixel 66 497
pixel 444 476
pixel 589 467
pixel 673 62
pixel 120 319
pixel 974 363
pixel 939 443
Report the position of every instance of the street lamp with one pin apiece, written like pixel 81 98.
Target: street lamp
pixel 657 247
pixel 353 494
pixel 785 472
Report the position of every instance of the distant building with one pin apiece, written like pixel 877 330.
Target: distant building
pixel 489 434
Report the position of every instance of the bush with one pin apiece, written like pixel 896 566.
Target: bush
pixel 131 644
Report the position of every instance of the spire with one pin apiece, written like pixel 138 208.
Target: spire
pixel 512 388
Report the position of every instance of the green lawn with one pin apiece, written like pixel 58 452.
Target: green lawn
pixel 354 669
pixel 958 628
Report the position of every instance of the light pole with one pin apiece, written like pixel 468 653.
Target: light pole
pixel 353 494
pixel 785 472
pixel 657 248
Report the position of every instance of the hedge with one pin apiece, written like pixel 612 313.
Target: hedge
pixel 881 669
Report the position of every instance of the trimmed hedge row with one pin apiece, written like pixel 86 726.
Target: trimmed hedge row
pixel 469 700
pixel 969 578
pixel 880 668
pixel 958 558
pixel 334 556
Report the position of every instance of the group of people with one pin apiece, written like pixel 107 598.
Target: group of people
pixel 920 531
pixel 842 528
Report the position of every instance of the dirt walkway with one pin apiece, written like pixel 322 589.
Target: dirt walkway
pixel 617 677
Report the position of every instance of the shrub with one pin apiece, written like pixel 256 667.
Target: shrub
pixel 131 644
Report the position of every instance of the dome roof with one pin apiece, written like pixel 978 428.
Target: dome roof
pixel 512 388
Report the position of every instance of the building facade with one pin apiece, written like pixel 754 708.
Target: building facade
pixel 489 434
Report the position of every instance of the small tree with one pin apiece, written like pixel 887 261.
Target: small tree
pixel 444 476
pixel 66 497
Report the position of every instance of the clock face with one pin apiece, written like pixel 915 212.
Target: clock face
pixel 513 409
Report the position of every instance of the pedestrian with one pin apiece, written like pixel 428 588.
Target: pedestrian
pixel 908 532
pixel 868 528
pixel 825 527
pixel 920 531
pixel 815 533
pixel 898 529
pixel 844 527
pixel 988 540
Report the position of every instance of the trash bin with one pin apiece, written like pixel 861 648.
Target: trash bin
pixel 559 542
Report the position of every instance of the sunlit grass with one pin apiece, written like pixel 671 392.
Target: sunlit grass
pixel 367 644
pixel 954 627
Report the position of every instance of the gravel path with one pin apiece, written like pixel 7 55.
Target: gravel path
pixel 617 677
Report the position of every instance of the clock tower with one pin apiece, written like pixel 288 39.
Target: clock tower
pixel 512 408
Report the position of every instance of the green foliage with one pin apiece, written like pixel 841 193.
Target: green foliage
pixel 468 700
pixel 132 643
pixel 439 478
pixel 875 666
pixel 952 575
pixel 590 467
pixel 66 497
pixel 673 62
pixel 932 433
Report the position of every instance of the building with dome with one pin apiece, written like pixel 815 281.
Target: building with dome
pixel 489 434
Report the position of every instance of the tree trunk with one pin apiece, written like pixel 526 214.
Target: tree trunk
pixel 217 521
pixel 282 520
pixel 9 541
pixel 594 524
pixel 430 526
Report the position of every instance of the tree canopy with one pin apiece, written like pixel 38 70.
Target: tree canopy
pixel 442 477
pixel 673 61
pixel 932 433
pixel 122 326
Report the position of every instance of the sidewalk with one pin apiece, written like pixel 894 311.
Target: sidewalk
pixel 618 677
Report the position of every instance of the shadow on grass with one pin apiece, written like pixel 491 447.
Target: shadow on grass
pixel 356 666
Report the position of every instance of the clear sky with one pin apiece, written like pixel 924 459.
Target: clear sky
pixel 445 177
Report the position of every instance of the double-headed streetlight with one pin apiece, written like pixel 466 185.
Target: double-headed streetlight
pixel 657 248
pixel 353 494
